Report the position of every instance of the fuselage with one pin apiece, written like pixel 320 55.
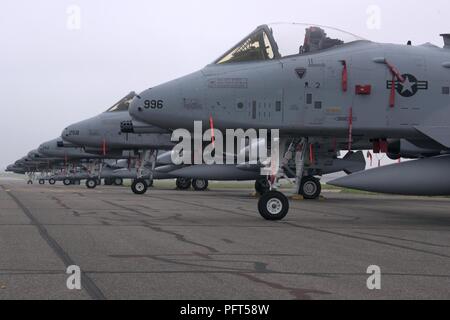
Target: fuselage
pixel 303 94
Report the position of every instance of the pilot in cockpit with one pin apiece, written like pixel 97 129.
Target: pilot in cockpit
pixel 316 39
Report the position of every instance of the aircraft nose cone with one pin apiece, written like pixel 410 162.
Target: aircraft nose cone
pixel 71 133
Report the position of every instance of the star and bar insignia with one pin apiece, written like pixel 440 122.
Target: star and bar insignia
pixel 410 87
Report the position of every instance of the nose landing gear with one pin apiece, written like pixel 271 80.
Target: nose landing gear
pixel 273 206
pixel 91 183
pixel 139 186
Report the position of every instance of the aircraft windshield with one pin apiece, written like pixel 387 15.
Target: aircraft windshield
pixel 280 40
pixel 123 104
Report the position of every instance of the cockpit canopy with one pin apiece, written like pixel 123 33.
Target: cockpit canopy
pixel 281 40
pixel 123 104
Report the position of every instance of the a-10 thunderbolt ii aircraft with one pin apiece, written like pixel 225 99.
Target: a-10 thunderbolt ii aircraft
pixel 102 134
pixel 110 166
pixel 326 91
pixel 78 164
pixel 113 130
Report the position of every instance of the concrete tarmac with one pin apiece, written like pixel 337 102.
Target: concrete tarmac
pixel 171 244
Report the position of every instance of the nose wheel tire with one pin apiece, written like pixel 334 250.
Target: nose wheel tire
pixel 139 186
pixel 118 181
pixel 52 181
pixel 310 188
pixel 273 206
pixel 41 181
pixel 91 183
pixel 67 182
pixel 183 183
pixel 262 186
pixel 29 182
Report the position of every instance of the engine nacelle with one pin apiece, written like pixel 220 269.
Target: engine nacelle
pixel 404 149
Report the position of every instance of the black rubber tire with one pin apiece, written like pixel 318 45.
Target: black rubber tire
pixel 118 181
pixel 91 183
pixel 310 188
pixel 273 206
pixel 41 181
pixel 200 184
pixel 139 186
pixel 262 186
pixel 67 182
pixel 29 182
pixel 183 183
pixel 52 181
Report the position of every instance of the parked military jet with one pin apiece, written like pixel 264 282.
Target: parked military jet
pixel 113 131
pixel 326 91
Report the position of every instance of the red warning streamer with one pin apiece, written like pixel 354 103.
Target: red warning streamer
pixel 211 124
pixel 396 75
pixel 311 153
pixel 104 147
pixel 344 76
pixel 350 129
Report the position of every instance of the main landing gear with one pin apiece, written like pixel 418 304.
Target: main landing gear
pixel 197 184
pixel 200 184
pixel 183 183
pixel 262 186
pixel 310 188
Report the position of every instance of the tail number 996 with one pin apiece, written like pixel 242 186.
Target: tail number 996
pixel 153 104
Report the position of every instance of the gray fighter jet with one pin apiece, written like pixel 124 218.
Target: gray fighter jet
pixel 113 130
pixel 103 134
pixel 326 91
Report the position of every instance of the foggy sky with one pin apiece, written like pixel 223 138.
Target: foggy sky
pixel 52 76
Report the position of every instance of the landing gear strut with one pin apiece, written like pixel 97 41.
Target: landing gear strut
pixel 274 205
pixel 262 186
pixel 141 184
